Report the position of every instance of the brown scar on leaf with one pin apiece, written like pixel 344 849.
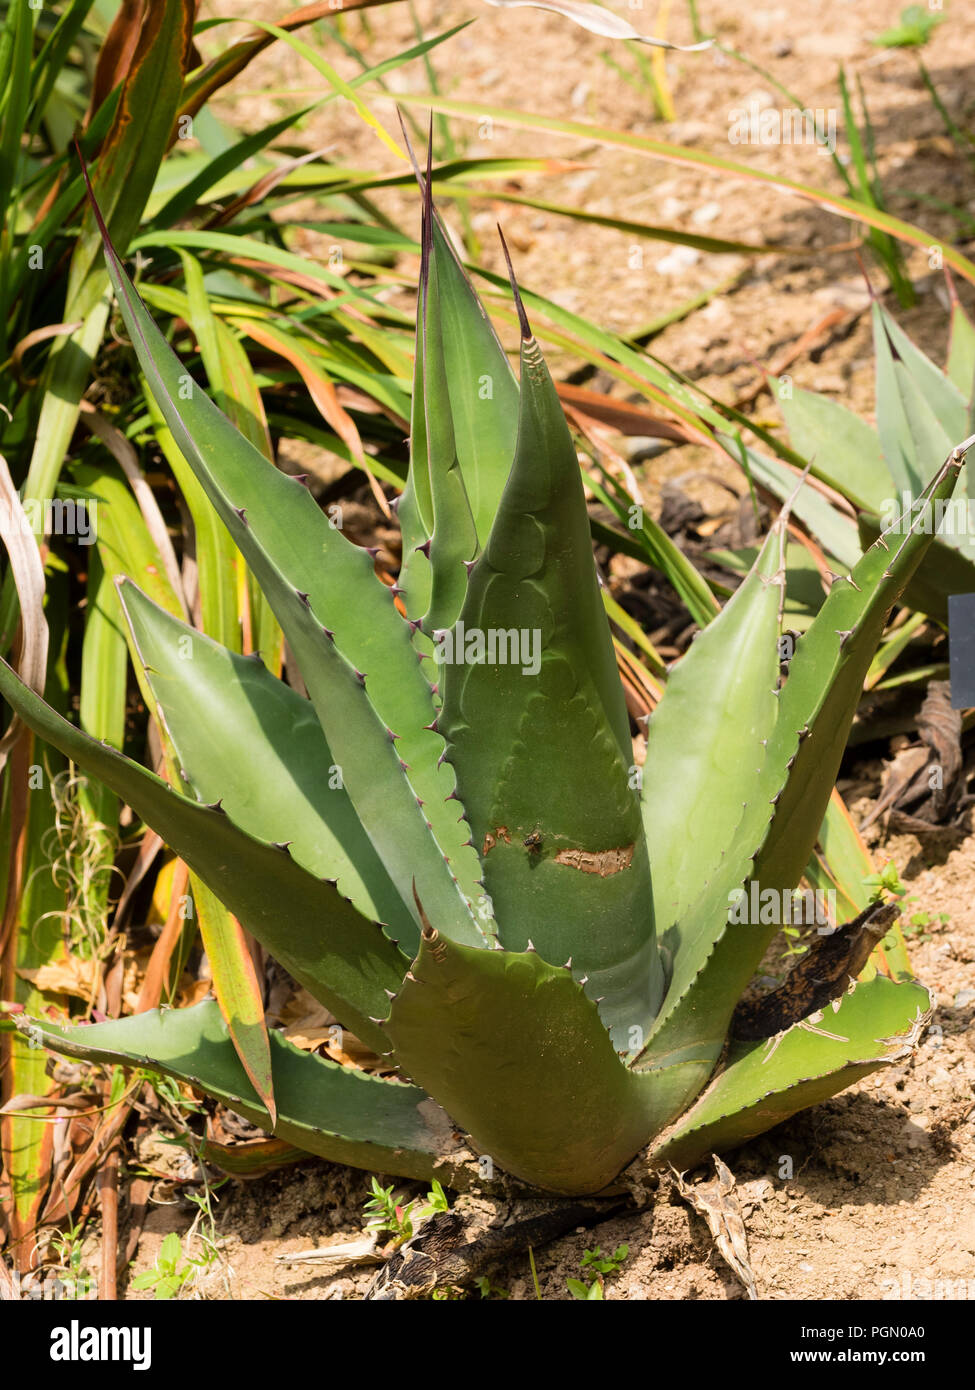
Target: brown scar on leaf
pixel 601 861
pixel 491 839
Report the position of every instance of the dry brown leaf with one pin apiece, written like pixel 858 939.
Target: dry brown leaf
pixel 310 1026
pixel 718 1203
pixel 69 976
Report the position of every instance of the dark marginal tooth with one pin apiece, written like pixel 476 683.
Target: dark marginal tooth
pixel 394 502
pixel 431 728
pixel 424 549
pixel 360 677
pixel 372 550
pixel 404 766
pixel 327 631
pixel 583 980
pixel 302 597
pixel 392 737
pixel 419 800
pixel 389 993
pixel 242 513
pixel 282 844
pixel 442 758
pixel 435 688
pixel 414 624
pixel 395 590
pixel 216 806
pixel 301 478
pixel 568 964
pixel 469 565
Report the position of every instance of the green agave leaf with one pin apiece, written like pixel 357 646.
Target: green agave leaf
pixel 778 829
pixel 841 448
pixel 518 1055
pixel 342 959
pixel 344 630
pixel 475 390
pixel 528 672
pixel 919 412
pixel 803 586
pixel 694 773
pixel 337 1112
pixel 287 788
pixel 825 682
pixel 453 543
pixel 483 388
pixel 949 568
pixel 874 1025
pixel 947 403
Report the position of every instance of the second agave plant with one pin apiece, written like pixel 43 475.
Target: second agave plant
pixel 448 842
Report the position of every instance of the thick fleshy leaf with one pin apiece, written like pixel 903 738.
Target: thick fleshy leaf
pixel 481 396
pixel 518 1055
pixel 825 682
pixel 778 829
pixel 528 673
pixel 344 629
pixel 841 448
pixel 287 789
pixel 337 1112
pixel 342 959
pixel 453 540
pixel 949 568
pixel 694 774
pixel 874 1025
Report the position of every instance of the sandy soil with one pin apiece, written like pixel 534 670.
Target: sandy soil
pixel 872 1194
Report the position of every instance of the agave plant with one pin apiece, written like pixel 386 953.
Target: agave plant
pixel 448 842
